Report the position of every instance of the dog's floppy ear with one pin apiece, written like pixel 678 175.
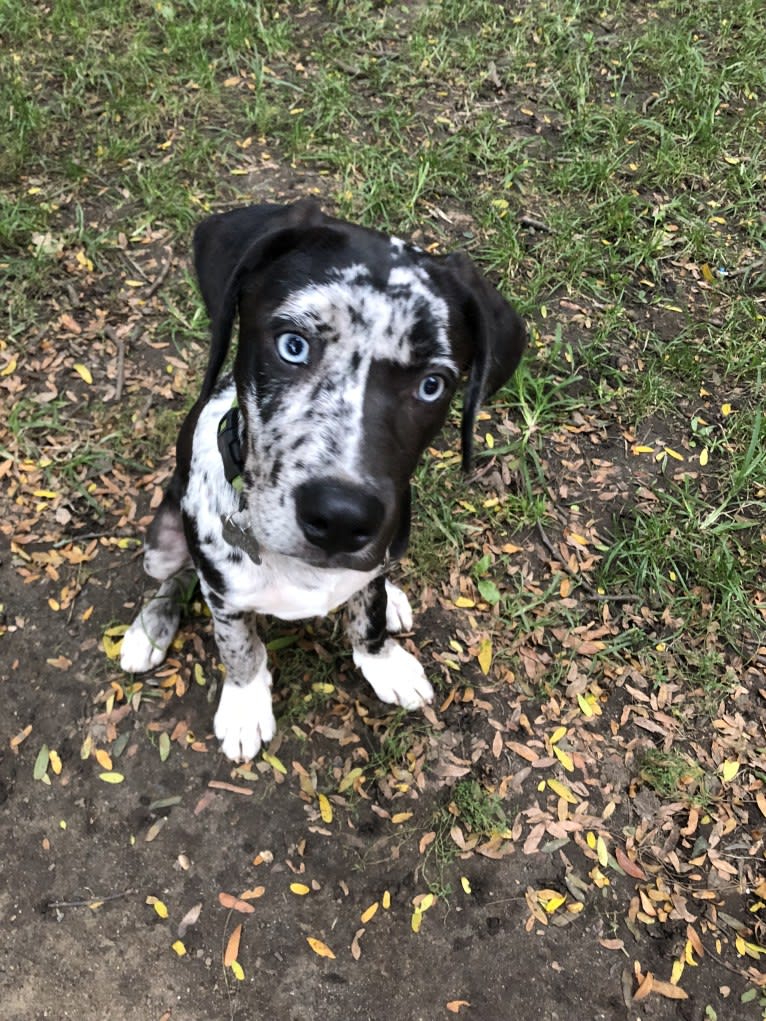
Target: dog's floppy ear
pixel 226 246
pixel 498 336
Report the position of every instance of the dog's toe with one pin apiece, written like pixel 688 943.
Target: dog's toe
pixel 395 675
pixel 245 720
pixel 398 610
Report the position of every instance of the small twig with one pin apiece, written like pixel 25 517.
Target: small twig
pixel 601 597
pixel 122 344
pixel 744 270
pixel 528 221
pixel 87 903
pixel 160 278
pixel 85 537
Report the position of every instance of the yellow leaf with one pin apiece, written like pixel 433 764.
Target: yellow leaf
pixel 386 900
pixel 274 762
pixel 489 440
pixel 55 761
pixel 642 450
pixel 111 647
pixel 674 454
pixel 111 777
pixel 399 817
pixel 579 539
pixel 426 903
pixel 590 840
pixel 564 758
pixel 300 889
pixel 729 769
pixel 466 884
pixel 237 971
pixel 416 920
pixel 562 791
pixel 159 906
pixel 325 808
pixel 585 706
pixel 704 457
pixel 179 947
pixel 464 603
pixel 707 273
pixel 725 410
pixel 320 948
pixel 10 368
pixel 551 904
pixel 557 734
pixel 601 851
pixel 83 372
pixel 676 972
pixel 369 913
pixel 103 758
pixel 485 655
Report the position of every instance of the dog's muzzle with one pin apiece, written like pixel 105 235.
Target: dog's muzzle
pixel 338 517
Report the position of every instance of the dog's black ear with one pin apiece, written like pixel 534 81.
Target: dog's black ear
pixel 498 336
pixel 227 245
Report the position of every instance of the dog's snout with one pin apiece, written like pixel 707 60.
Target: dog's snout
pixel 338 517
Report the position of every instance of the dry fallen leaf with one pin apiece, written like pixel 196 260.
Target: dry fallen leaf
pixel 232 947
pixel 320 948
pixel 455 1006
pixel 227 900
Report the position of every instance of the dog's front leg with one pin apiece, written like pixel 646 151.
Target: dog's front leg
pixel 244 719
pixel 395 674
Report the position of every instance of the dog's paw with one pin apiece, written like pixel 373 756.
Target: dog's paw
pixel 245 720
pixel 395 675
pixel 398 610
pixel 140 652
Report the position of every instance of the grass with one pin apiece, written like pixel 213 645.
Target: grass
pixel 605 166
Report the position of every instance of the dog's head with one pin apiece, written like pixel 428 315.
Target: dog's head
pixel 351 346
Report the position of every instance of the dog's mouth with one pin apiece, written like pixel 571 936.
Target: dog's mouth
pixel 363 561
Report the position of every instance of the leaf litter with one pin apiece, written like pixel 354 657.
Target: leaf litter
pixel 568 759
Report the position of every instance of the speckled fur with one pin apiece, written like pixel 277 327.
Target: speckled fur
pixel 378 317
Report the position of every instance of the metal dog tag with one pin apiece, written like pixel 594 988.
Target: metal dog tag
pixel 236 531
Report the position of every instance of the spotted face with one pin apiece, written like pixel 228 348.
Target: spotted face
pixel 351 345
pixel 346 381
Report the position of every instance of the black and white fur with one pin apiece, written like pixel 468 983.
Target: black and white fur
pixel 351 344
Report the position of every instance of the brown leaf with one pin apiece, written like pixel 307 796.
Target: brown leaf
pixel 228 900
pixel 232 947
pixel 668 990
pixel 627 865
pixel 426 840
pixel 644 988
pixel 356 950
pixel 454 1006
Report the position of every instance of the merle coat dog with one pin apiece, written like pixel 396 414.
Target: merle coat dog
pixel 291 493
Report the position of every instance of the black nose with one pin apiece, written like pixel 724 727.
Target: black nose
pixel 337 517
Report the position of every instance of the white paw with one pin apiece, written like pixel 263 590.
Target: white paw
pixel 245 720
pixel 395 675
pixel 398 610
pixel 138 653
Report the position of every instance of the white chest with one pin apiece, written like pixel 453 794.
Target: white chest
pixel 288 589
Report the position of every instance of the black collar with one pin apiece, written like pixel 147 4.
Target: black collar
pixel 230 447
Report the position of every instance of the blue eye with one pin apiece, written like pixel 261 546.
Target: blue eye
pixel 293 348
pixel 431 388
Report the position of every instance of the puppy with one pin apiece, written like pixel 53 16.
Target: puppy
pixel 291 493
